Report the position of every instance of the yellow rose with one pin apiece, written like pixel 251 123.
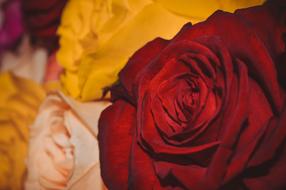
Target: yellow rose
pixel 63 147
pixel 98 36
pixel 19 100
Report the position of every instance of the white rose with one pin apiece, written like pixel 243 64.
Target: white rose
pixel 63 147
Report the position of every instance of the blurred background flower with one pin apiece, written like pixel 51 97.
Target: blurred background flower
pixel 25 59
pixel 19 100
pixel 11 26
pixel 41 19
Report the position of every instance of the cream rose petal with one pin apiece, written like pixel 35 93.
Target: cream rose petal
pixel 63 147
pixel 44 154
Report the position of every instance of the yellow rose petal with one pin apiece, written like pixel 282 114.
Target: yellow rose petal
pixel 19 102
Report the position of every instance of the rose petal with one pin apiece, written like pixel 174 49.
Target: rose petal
pixel 116 129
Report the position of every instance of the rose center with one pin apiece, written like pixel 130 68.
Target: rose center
pixel 181 98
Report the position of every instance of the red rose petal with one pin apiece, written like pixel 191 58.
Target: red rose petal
pixel 274 178
pixel 142 174
pixel 116 129
pixel 139 61
pixel 255 53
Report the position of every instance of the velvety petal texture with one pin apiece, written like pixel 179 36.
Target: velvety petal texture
pixel 204 110
pixel 97 37
pixel 61 138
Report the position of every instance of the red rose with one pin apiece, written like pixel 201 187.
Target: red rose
pixel 42 19
pixel 202 111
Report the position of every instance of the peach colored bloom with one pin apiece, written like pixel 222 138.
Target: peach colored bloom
pixel 63 151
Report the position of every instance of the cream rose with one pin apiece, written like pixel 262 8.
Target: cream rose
pixel 63 150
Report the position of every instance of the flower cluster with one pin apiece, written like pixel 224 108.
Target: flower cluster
pixel 97 37
pixel 142 94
